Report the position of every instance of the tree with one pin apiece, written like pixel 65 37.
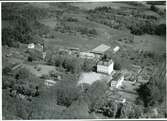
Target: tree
pixel 106 107
pixel 88 65
pixel 95 92
pixel 23 73
pixel 29 59
pixel 77 110
pixel 9 38
pixel 153 8
pixel 161 29
pixel 152 92
pixel 66 93
pixel 132 111
pixel 34 55
pixel 117 66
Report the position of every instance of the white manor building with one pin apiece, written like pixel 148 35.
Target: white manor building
pixel 105 66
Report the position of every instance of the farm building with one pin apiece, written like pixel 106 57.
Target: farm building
pixel 105 66
pixel 87 55
pixel 73 51
pixel 116 80
pixel 31 46
pixel 55 75
pixel 43 55
pixel 101 49
pixel 116 49
pixel 49 83
pixel 38 46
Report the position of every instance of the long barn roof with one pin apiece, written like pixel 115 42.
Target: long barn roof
pixel 101 48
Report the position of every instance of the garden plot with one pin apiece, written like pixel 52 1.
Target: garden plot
pixel 91 77
pixel 128 96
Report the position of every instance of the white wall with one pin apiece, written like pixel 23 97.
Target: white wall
pixel 119 83
pixel 110 68
pixel 105 69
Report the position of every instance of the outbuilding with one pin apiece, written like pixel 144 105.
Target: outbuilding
pixel 101 49
pixel 31 46
pixel 49 83
pixel 116 49
pixel 87 55
pixel 117 80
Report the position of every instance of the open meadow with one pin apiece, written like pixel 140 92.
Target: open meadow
pixel 83 60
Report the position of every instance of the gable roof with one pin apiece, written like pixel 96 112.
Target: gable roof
pixel 117 76
pixel 105 63
pixel 101 49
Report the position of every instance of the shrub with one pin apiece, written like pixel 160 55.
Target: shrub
pixel 88 65
pixel 93 31
pixel 34 55
pixel 153 8
pixel 29 59
pixel 117 66
pixel 105 107
pixel 132 111
pixel 71 19
pixel 6 70
pixel 7 82
pixel 69 63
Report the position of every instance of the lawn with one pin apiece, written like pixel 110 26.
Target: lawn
pixel 150 43
pixel 91 77
pixel 105 35
pixel 93 5
pixel 45 69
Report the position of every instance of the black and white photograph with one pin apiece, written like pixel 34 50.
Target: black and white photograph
pixel 83 60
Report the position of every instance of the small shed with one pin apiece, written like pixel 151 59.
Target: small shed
pixel 31 46
pixel 43 55
pixel 116 49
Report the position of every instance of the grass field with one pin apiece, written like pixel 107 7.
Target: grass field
pixel 105 35
pixel 45 69
pixel 152 43
pixel 50 22
pixel 91 5
pixel 90 78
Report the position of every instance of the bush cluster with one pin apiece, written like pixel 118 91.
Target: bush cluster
pixel 145 24
pixel 70 63
pixel 22 82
